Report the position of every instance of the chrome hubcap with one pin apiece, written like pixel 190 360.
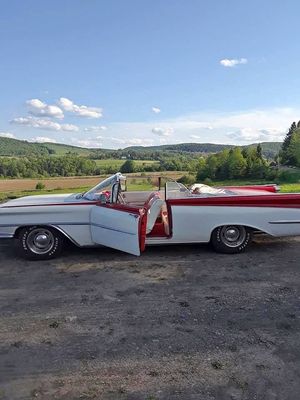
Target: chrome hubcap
pixel 40 241
pixel 233 236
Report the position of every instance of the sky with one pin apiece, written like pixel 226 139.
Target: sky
pixel 115 73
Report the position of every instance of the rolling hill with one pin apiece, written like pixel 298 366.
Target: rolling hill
pixel 270 149
pixel 14 147
pixel 17 148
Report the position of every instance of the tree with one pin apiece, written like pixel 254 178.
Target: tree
pixel 288 136
pixel 127 167
pixel 259 151
pixel 237 164
pixel 211 166
pixel 294 149
pixel 290 145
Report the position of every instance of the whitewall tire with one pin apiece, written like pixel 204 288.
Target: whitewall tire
pixel 231 239
pixel 39 242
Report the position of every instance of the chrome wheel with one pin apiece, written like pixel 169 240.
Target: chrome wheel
pixel 40 241
pixel 233 236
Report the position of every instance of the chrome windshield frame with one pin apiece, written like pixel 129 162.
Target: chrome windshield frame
pixel 108 182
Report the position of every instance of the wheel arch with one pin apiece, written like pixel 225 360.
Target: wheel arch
pixel 55 227
pixel 248 227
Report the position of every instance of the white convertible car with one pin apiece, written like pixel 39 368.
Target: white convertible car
pixel 128 221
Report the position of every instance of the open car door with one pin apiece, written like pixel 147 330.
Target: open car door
pixel 119 227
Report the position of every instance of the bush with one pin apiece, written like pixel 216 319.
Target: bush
pixel 187 179
pixel 207 181
pixel 127 167
pixel 289 177
pixel 40 186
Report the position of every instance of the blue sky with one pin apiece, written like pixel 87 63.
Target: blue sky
pixel 122 72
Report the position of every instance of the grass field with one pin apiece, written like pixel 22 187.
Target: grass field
pixel 12 188
pixel 116 164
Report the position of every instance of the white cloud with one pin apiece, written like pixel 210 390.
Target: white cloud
pixel 43 139
pixel 7 135
pixel 44 124
pixel 139 142
pixel 162 131
pixel 41 109
pixel 254 135
pixel 116 140
pixel 95 128
pixel 229 63
pixel 156 110
pixel 88 142
pixel 195 137
pixel 69 128
pixel 270 124
pixel 237 127
pixel 81 111
pixel 130 142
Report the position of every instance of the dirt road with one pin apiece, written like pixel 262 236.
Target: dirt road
pixel 176 323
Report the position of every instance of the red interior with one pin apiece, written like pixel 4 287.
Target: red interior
pixel 159 227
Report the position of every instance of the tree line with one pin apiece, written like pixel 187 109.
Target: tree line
pixel 35 167
pixel 74 165
pixel 235 163
pixel 290 152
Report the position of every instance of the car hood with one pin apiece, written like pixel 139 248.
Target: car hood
pixel 41 200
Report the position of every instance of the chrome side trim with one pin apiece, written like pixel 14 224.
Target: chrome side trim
pixel 44 223
pixel 6 236
pixel 8 225
pixel 283 222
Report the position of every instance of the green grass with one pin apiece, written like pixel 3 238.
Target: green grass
pixel 290 188
pixel 61 149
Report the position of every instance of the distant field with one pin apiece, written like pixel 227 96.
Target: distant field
pixel 116 164
pixel 61 150
pixel 7 185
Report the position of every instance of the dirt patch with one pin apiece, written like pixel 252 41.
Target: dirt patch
pixel 7 185
pixel 179 322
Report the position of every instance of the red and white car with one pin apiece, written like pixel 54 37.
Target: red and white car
pixel 128 221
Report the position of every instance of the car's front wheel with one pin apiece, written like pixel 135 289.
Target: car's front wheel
pixel 231 239
pixel 39 243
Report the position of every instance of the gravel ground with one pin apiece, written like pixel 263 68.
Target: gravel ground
pixel 178 322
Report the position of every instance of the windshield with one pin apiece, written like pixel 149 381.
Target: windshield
pixel 103 187
pixel 175 189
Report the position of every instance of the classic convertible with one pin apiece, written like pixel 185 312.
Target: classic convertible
pixel 128 221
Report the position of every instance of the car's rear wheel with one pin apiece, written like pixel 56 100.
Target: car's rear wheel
pixel 39 243
pixel 231 239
